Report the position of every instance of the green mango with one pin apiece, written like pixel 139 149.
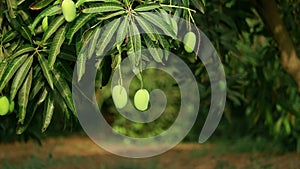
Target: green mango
pixel 4 105
pixel 119 96
pixel 141 99
pixel 189 42
pixel 69 10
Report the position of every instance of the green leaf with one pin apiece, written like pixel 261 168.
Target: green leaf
pixel 46 70
pixel 107 36
pixel 57 42
pixel 53 27
pixel 22 127
pixel 3 66
pixel 199 5
pixel 64 90
pixel 105 7
pixel 93 43
pixel 25 32
pixel 81 65
pixel 12 6
pixel 50 11
pixel 31 109
pixel 80 2
pixel 79 23
pixel 49 108
pixel 136 43
pixel 156 53
pixel 11 70
pixel 122 32
pixel 159 22
pixel 165 16
pixel 43 96
pixel 38 84
pixel 67 56
pixel 10 35
pixel 20 77
pixel 106 17
pixel 23 98
pixel 37 5
pixel 146 7
pixel 22 50
pixel 65 70
pixel 147 27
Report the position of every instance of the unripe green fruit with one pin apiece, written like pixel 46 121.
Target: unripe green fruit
pixel 141 99
pixel 11 106
pixel 45 23
pixel 119 96
pixel 4 106
pixel 69 10
pixel 189 42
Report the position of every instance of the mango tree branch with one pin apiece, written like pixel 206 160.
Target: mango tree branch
pixel 271 17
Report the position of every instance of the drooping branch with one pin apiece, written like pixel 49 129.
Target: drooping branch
pixel 289 60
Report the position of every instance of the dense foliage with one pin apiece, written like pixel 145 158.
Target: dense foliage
pixel 39 48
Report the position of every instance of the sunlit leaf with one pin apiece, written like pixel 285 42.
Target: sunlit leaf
pixel 56 44
pixel 23 96
pixel 11 69
pixel 48 112
pixel 53 27
pixel 105 7
pixel 20 77
pixel 46 70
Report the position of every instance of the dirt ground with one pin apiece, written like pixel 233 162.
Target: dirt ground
pixel 79 152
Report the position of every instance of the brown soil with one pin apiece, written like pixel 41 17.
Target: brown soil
pixel 81 153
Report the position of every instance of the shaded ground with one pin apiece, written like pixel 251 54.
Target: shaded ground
pixel 82 153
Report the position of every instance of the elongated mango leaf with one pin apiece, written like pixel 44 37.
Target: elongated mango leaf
pixel 81 20
pixel 57 42
pixel 199 5
pixel 26 17
pixel 165 16
pixel 146 7
pixel 156 53
pixel 81 66
pixel 106 36
pixel 42 97
pixel 80 2
pixel 64 89
pixel 103 18
pixel 20 77
pixel 31 109
pixel 159 22
pixel 136 43
pixel 11 69
pixel 10 35
pixel 25 32
pixel 46 70
pixel 147 27
pixel 12 6
pixel 53 27
pixel 105 7
pixel 50 11
pixel 65 70
pixel 37 5
pixel 48 112
pixel 122 32
pixel 92 43
pixel 22 50
pixel 23 96
pixel 3 66
pixel 38 83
